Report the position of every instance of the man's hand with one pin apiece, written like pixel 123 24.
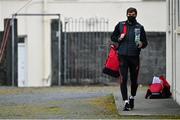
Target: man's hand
pixel 121 37
pixel 140 44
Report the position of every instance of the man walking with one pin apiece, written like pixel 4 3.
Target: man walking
pixel 131 37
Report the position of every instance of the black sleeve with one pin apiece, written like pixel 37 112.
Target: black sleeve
pixel 143 37
pixel 116 33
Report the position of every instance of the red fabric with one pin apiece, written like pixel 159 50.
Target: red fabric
pixel 163 88
pixel 113 62
pixel 165 83
pixel 125 29
pixel 156 88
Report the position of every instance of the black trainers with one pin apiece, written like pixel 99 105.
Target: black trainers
pixel 131 103
pixel 126 107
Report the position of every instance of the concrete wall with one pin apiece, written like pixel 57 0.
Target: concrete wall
pixel 37 30
pixel 114 10
pixel 148 12
pixel 173 43
pixel 153 57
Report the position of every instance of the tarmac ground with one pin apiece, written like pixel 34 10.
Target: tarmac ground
pixel 81 102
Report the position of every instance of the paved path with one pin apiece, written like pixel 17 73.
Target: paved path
pixel 149 107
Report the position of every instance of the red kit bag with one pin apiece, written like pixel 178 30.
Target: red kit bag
pixel 158 89
pixel 112 64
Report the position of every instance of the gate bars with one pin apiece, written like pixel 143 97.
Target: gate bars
pixel 85 50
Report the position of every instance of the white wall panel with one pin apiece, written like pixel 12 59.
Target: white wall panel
pixel 151 14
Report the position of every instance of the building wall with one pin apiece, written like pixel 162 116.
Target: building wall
pixel 37 28
pixel 173 43
pixel 153 57
pixel 114 10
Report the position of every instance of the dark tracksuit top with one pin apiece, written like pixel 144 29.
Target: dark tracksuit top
pixel 127 45
pixel 129 54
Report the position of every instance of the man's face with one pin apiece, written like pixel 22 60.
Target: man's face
pixel 131 14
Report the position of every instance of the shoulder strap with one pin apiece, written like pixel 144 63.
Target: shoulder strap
pixel 123 28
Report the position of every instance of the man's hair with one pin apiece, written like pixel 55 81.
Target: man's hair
pixel 131 9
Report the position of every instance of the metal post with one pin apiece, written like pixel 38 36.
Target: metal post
pixel 12 24
pixel 65 52
pixel 59 47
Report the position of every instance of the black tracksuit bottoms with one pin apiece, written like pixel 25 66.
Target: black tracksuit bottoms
pixel 131 64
